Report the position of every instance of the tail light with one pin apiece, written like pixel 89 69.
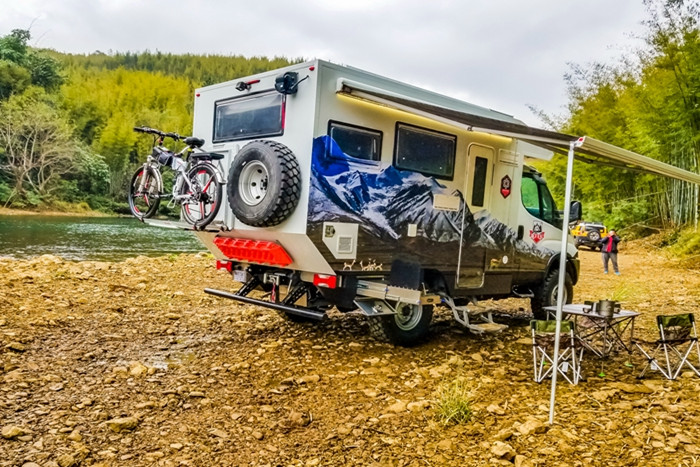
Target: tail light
pixel 325 280
pixel 254 251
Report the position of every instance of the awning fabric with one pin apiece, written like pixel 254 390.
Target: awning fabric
pixel 587 148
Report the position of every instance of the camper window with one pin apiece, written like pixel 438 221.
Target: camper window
pixel 481 166
pixel 249 117
pixel 426 151
pixel 538 201
pixel 355 141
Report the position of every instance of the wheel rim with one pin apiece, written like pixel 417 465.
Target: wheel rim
pixel 553 298
pixel 408 316
pixel 141 199
pixel 253 183
pixel 203 202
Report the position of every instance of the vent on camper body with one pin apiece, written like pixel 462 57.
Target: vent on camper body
pixel 345 244
pixel 254 251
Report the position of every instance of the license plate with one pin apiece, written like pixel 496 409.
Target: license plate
pixel 240 276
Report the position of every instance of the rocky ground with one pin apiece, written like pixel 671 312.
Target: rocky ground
pixel 132 364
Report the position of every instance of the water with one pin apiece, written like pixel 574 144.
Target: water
pixel 90 238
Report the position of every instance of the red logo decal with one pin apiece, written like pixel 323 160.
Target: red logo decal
pixel 536 234
pixel 506 183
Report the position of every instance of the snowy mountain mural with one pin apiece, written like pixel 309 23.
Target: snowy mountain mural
pixel 385 200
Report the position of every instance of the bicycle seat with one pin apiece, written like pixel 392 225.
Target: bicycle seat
pixel 194 142
pixel 207 156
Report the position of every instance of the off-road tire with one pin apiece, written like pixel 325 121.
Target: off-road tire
pixel 593 235
pixel 264 183
pixel 387 329
pixel 152 188
pixel 545 294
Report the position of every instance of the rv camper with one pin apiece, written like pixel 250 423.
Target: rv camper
pixel 352 190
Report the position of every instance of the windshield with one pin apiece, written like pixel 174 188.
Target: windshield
pixel 538 200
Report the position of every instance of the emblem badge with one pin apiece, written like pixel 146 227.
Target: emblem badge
pixel 536 234
pixel 506 184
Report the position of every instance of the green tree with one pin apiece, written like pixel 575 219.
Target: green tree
pixel 21 65
pixel 35 142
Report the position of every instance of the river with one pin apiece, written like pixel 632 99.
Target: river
pixel 90 238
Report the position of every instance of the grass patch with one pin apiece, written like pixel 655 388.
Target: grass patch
pixel 453 405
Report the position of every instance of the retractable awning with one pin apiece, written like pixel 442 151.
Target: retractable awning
pixel 587 149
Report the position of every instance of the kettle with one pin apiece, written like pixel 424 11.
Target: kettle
pixel 607 308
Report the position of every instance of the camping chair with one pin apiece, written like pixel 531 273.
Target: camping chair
pixel 570 353
pixel 677 339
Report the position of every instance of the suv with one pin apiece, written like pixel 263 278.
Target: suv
pixel 589 234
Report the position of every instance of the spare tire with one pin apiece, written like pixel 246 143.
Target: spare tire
pixel 264 183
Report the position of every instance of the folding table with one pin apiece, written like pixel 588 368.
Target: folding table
pixel 599 334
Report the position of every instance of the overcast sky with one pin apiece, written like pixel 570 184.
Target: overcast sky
pixel 501 54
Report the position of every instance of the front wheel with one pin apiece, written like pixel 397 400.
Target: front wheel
pixel 144 193
pixel 409 326
pixel 202 204
pixel 546 294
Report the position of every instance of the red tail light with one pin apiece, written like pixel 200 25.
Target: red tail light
pixel 224 265
pixel 254 251
pixel 324 280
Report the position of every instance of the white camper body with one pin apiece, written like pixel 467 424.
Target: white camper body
pixel 343 190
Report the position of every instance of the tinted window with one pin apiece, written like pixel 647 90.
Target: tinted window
pixel 481 166
pixel 538 200
pixel 249 117
pixel 425 151
pixel 361 143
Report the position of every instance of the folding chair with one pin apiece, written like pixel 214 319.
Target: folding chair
pixel 677 339
pixel 570 353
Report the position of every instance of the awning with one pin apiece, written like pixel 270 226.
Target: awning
pixel 587 149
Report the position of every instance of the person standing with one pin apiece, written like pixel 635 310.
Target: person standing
pixel 609 250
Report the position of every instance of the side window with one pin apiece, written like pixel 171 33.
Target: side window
pixel 355 141
pixel 249 117
pixel 426 151
pixel 549 209
pixel 538 200
pixel 530 196
pixel 481 166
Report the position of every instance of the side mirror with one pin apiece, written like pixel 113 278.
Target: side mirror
pixel 575 209
pixel 287 83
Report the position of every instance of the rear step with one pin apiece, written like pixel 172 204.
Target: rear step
pixel 180 225
pixel 291 309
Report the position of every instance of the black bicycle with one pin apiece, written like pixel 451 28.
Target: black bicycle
pixel 198 184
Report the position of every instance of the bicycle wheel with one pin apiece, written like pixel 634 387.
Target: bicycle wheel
pixel 144 193
pixel 201 207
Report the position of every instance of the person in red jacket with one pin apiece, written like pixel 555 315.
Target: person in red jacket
pixel 609 251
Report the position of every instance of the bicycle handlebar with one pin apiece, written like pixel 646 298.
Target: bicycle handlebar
pixel 162 134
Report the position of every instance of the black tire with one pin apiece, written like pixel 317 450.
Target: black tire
pixel 144 203
pixel 593 235
pixel 546 295
pixel 406 328
pixel 204 205
pixel 264 183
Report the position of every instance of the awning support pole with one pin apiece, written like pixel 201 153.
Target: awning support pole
pixel 562 273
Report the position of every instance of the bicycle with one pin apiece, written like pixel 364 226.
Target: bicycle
pixel 198 182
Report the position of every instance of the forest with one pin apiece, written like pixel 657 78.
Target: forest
pixel 66 139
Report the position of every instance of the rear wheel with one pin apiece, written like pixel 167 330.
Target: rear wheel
pixel 144 193
pixel 205 197
pixel 546 294
pixel 409 326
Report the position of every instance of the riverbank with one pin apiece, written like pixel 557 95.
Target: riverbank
pixel 81 213
pixel 130 363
